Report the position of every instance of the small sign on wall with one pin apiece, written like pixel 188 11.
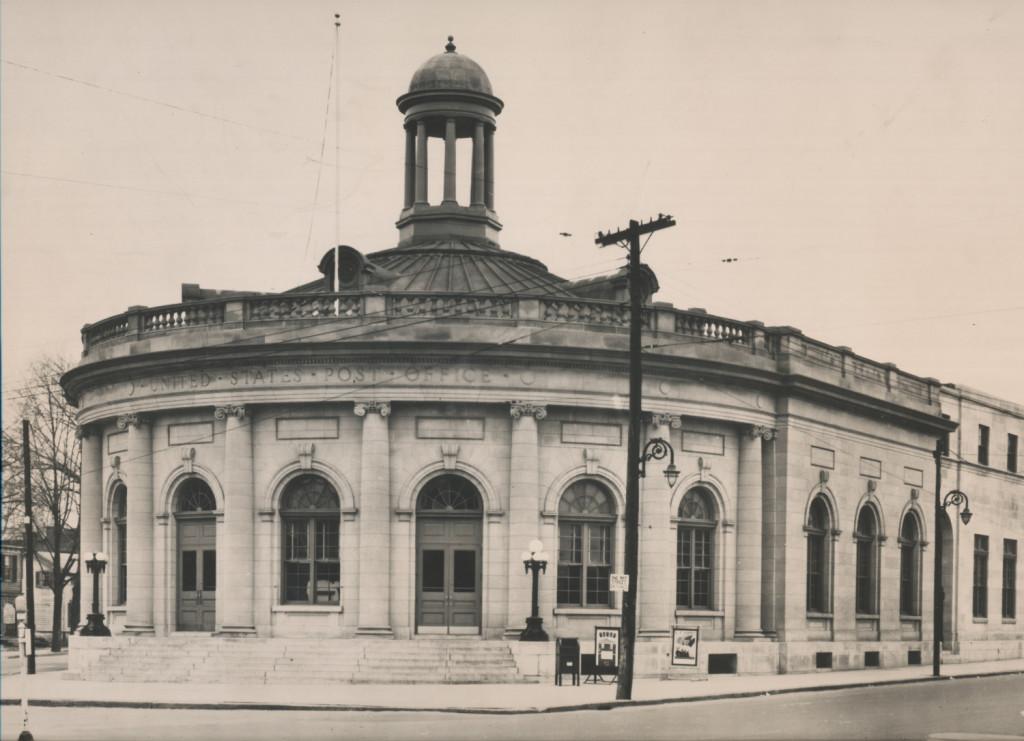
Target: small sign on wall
pixel 618 582
pixel 606 647
pixel 685 645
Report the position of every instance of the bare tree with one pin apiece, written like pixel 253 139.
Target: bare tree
pixel 55 454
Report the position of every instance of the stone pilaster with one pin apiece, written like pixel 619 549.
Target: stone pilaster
pixel 656 595
pixel 91 515
pixel 523 506
pixel 374 521
pixel 140 535
pixel 236 552
pixel 749 531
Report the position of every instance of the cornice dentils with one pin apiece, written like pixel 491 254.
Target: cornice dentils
pixel 519 408
pixel 135 420
pixel 230 410
pixel 362 407
pixel 766 433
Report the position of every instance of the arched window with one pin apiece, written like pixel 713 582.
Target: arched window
pixel 866 536
pixel 586 522
pixel 819 568
pixel 120 512
pixel 311 565
pixel 910 566
pixel 195 495
pixel 695 550
pixel 449 494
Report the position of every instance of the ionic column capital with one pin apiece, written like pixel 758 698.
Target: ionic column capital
pixel 84 431
pixel 520 408
pixel 362 407
pixel 659 419
pixel 766 433
pixel 230 410
pixel 133 420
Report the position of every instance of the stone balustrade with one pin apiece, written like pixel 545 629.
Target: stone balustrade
pixel 786 345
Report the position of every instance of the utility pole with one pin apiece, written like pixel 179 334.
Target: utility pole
pixel 630 238
pixel 30 602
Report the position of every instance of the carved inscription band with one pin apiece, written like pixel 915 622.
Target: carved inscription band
pixel 519 408
pixel 362 407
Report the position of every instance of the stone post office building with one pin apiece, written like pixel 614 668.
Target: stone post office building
pixel 350 470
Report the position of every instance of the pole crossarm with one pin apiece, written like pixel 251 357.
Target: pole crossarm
pixel 635 229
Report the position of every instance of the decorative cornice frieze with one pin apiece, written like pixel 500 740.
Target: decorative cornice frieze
pixel 230 410
pixel 134 420
pixel 759 431
pixel 362 407
pixel 520 408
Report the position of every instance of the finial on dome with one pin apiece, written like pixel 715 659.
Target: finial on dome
pixel 450 47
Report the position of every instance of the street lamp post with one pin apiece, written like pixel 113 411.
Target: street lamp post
pixel 535 560
pixel 94 625
pixel 955 498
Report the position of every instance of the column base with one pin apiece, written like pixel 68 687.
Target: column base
pixel 94 626
pixel 374 631
pixel 139 630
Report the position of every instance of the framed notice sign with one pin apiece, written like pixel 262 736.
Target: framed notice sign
pixel 606 647
pixel 685 643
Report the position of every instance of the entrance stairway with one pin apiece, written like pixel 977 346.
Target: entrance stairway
pixel 211 659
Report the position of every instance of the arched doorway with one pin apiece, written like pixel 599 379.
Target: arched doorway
pixel 449 533
pixel 197 556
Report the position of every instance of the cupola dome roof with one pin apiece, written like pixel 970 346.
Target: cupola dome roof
pixel 450 71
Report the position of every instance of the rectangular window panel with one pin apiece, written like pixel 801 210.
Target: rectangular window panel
pixel 983 445
pixel 433 571
pixel 296 582
pixel 328 583
pixel 188 571
pixel 908 581
pixel 683 587
pixel 122 564
pixel 296 543
pixel 980 601
pixel 1011 453
pixel 702 588
pixel 570 544
pixel 597 585
pixel 326 548
pixel 816 573
pixel 865 577
pixel 210 571
pixel 464 571
pixel 684 554
pixel 570 584
pixel 1010 579
pixel 600 544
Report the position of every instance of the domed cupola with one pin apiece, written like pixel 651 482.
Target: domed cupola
pixel 449 98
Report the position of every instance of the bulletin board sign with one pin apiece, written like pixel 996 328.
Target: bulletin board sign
pixel 606 648
pixel 685 646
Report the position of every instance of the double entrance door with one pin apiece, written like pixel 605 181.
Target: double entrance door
pixel 448 569
pixel 197 573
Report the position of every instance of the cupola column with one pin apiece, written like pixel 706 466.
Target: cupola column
pixel 449 161
pixel 421 162
pixel 476 197
pixel 489 168
pixel 410 166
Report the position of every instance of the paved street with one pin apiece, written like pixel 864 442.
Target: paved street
pixel 46 661
pixel 986 705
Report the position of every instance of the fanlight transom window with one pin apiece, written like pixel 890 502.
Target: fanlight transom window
pixel 195 495
pixel 309 492
pixel 586 497
pixel 449 494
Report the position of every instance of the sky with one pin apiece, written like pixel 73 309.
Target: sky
pixel 851 169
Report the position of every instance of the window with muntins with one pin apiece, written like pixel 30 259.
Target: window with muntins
pixel 195 495
pixel 867 561
pixel 586 522
pixel 983 445
pixel 695 550
pixel 980 594
pixel 819 524
pixel 10 568
pixel 910 566
pixel 1009 579
pixel 1012 443
pixel 311 565
pixel 120 510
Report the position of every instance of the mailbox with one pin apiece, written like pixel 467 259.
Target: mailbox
pixel 567 659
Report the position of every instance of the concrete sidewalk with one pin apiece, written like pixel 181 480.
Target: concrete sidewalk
pixel 50 689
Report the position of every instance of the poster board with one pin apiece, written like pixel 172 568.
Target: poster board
pixel 606 648
pixel 685 646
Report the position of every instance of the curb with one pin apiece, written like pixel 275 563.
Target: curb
pixel 494 710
